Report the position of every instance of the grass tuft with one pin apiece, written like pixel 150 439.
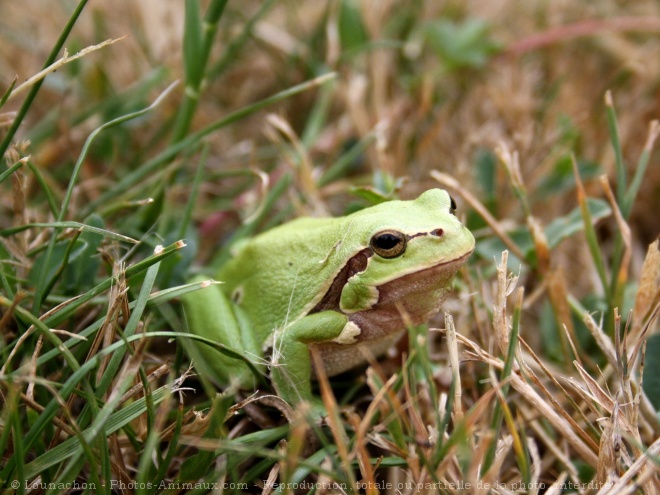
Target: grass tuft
pixel 120 185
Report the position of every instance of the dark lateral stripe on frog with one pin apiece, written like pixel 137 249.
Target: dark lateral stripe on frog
pixel 356 264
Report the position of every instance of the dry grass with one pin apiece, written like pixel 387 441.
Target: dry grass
pixel 533 383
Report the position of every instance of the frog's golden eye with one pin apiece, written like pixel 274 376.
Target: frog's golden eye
pixel 389 243
pixel 452 207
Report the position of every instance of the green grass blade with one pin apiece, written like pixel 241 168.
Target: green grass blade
pixel 626 206
pixel 52 203
pixel 173 443
pixel 197 44
pixel 615 139
pixel 55 341
pixel 339 168
pixel 640 170
pixel 65 261
pixel 67 311
pixel 9 406
pixel 80 374
pixel 498 414
pixel 145 466
pixel 112 423
pixel 6 94
pixel 44 330
pixel 194 191
pixel 94 134
pixel 27 441
pixel 22 112
pixel 230 54
pixel 318 115
pixel 17 430
pixel 69 473
pixel 131 327
pixel 98 429
pixel 69 225
pixel 41 284
pixel 166 295
pixel 192 45
pixel 590 234
pixel 4 175
pixel 135 177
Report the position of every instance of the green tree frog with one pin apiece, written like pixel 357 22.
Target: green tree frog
pixel 344 285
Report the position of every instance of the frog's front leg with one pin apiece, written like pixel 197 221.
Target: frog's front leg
pixel 291 367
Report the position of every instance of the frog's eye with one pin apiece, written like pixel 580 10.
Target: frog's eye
pixel 452 206
pixel 389 243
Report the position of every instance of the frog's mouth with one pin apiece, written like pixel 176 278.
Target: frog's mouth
pixel 420 289
pixel 458 261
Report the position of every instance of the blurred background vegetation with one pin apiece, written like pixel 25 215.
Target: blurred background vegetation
pixel 500 101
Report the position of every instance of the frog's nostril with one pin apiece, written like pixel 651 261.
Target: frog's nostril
pixel 437 232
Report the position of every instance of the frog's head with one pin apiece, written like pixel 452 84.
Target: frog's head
pixel 407 253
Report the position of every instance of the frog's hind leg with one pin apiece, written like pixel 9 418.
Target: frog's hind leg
pixel 211 315
pixel 291 367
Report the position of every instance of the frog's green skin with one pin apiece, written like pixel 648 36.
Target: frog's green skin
pixel 321 282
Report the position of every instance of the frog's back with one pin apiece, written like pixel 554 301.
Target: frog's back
pixel 280 275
